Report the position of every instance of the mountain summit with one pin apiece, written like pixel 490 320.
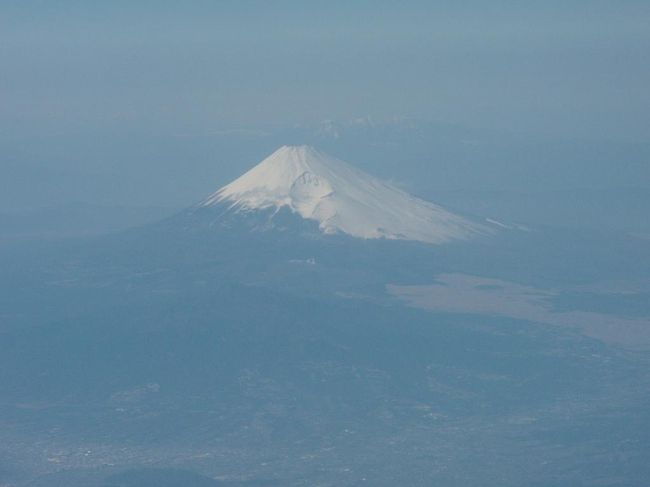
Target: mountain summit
pixel 340 198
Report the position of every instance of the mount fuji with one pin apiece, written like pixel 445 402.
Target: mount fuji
pixel 340 199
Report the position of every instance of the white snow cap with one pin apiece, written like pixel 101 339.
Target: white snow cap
pixel 340 198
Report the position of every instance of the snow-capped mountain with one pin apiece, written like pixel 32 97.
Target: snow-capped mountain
pixel 340 198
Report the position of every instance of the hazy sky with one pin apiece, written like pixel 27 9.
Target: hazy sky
pixel 566 67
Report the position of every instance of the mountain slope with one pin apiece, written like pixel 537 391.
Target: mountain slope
pixel 340 198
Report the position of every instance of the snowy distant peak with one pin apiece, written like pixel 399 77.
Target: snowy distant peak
pixel 340 198
pixel 292 175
